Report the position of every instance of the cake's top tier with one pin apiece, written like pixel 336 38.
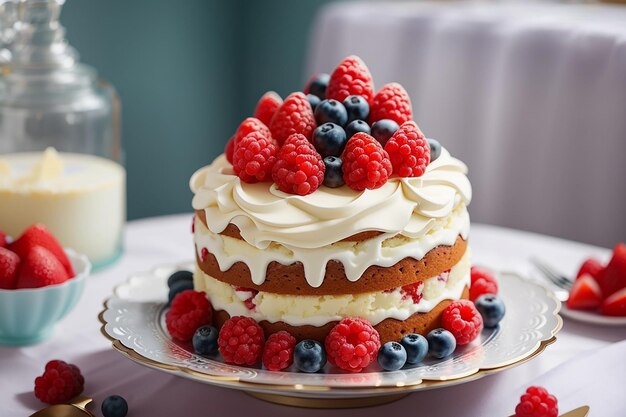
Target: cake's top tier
pixel 264 214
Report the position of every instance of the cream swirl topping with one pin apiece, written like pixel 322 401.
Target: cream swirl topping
pixel 264 214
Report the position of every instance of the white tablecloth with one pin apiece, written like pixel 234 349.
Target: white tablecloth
pixel 531 96
pixel 151 393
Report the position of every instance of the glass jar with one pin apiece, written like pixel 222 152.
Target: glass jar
pixel 47 97
pixel 60 151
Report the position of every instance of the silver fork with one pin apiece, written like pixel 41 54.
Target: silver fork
pixel 560 281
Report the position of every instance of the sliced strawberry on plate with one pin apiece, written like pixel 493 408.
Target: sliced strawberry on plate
pixel 585 294
pixel 39 235
pixel 41 268
pixel 614 277
pixel 592 267
pixel 615 305
pixel 9 265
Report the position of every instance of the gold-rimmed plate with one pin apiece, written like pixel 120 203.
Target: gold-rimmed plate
pixel 133 319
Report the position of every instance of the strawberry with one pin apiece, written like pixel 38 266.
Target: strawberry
pixel 295 115
pixel 39 235
pixel 3 239
pixel 615 305
pixel 350 78
pixel 591 266
pixel 391 102
pixel 41 268
pixel 614 277
pixel 9 264
pixel 585 294
pixel 267 106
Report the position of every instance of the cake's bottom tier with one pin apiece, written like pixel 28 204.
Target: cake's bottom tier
pixel 414 308
pixel 390 330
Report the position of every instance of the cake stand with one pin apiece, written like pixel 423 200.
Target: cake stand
pixel 133 319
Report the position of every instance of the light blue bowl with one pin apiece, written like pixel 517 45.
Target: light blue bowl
pixel 28 316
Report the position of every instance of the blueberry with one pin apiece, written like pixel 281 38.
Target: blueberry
pixel 114 406
pixel 317 85
pixel 491 307
pixel 333 175
pixel 392 356
pixel 331 111
pixel 179 276
pixel 204 340
pixel 313 100
pixel 435 149
pixel 416 347
pixel 329 139
pixel 309 356
pixel 441 343
pixel 383 129
pixel 357 126
pixel 178 287
pixel 357 108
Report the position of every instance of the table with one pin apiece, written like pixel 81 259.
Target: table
pixel 151 393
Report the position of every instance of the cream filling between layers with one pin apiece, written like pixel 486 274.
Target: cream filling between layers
pixel 299 310
pixel 384 250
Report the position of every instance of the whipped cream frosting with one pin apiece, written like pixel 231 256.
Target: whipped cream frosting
pixel 264 214
pixel 384 250
pixel 318 310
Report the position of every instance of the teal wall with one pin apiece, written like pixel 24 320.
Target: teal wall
pixel 187 72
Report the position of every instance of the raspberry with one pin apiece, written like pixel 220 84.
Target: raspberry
pixel 483 282
pixel 230 149
pixel 249 293
pixel 3 239
pixel 408 150
pixel 241 341
pixel 299 169
pixel 350 78
pixel 267 106
pixel 189 310
pixel 413 291
pixel 278 352
pixel 254 157
pixel 248 126
pixel 537 402
pixel 365 163
pixel 391 102
pixel 295 115
pixel 352 344
pixel 462 320
pixel 59 383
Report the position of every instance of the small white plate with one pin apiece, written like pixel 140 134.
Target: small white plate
pixel 592 317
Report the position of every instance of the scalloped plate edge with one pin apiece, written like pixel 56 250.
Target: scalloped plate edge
pixel 304 390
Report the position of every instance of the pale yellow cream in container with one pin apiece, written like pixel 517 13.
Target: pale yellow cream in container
pixel 80 198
